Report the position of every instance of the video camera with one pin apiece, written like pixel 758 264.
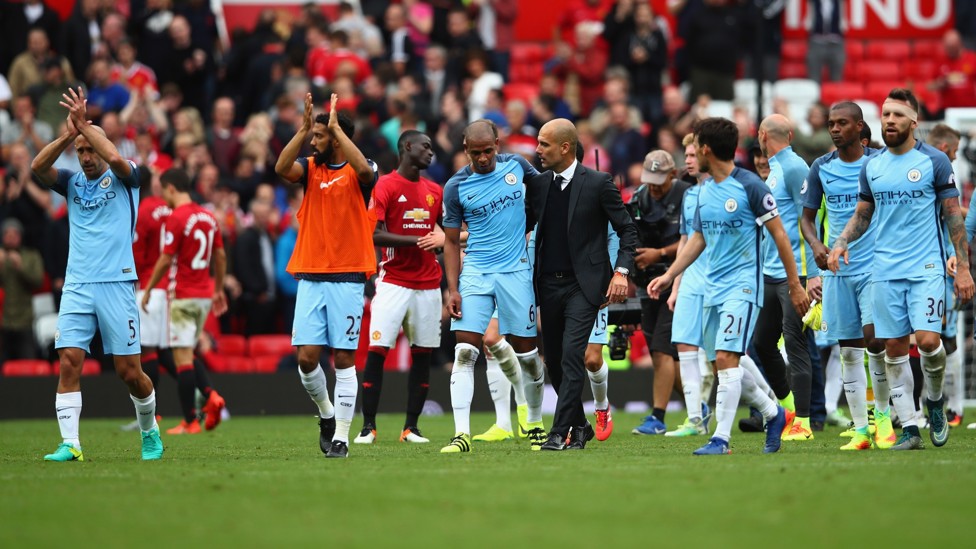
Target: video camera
pixel 619 315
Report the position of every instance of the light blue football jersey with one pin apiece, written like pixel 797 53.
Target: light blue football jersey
pixel 493 206
pixel 730 216
pixel 907 191
pixel 787 180
pixel 102 220
pixel 834 183
pixel 693 279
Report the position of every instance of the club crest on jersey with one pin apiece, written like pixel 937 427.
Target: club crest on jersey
pixel 57 335
pixel 823 325
pixel 511 179
pixel 169 238
pixel 803 187
pixel 769 202
pixel 430 200
pixel 771 182
pixel 105 182
pixel 731 205
pixel 914 175
pixel 376 335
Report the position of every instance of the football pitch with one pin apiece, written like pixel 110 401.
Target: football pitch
pixel 262 481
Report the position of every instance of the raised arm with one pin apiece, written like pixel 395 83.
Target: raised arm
pixel 286 166
pixel 43 164
pixel 352 153
pixel 75 102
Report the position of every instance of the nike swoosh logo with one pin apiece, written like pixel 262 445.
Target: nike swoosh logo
pixel 598 333
pixel 63 409
pixel 829 181
pixel 471 196
pixel 875 177
pixel 131 343
pixel 538 379
pixel 726 340
pixel 932 320
pixel 345 396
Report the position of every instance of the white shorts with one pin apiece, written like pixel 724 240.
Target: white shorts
pixel 154 321
pixel 186 319
pixel 417 311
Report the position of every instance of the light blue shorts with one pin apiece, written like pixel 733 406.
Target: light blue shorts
pixel 951 328
pixel 686 323
pixel 512 293
pixel 729 327
pixel 847 306
pixel 328 314
pixel 109 306
pixel 904 306
pixel 599 334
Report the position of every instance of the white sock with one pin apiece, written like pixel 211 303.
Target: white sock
pixel 707 375
pixel 855 384
pixel 879 380
pixel 145 411
pixel 346 388
pixel 462 386
pixel 598 384
pixel 509 363
pixel 727 401
pixel 746 363
pixel 954 382
pixel 68 408
pixel 691 382
pixel 314 383
pixel 832 379
pixel 754 395
pixel 501 394
pixel 933 368
pixel 902 384
pixel 533 383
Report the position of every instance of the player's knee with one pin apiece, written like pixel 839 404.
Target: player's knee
pixel 874 345
pixel 725 360
pixel 128 374
pixel 593 360
pixel 344 359
pixel 927 342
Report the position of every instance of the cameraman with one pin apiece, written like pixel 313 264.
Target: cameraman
pixel 656 210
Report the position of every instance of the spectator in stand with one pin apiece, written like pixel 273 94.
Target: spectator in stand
pixel 623 142
pixel 588 12
pixel 760 164
pixel 286 120
pixel 616 89
pixel 28 68
pixel 104 94
pixel 592 151
pixel 222 137
pixel 549 86
pixel 420 23
pixel 581 68
pixel 482 82
pixel 964 13
pixel 768 16
pixel 496 27
pixel 116 134
pixel 715 38
pixel 319 48
pixel 543 110
pixel 817 143
pixel 521 137
pixel 203 23
pixel 47 94
pixel 677 113
pixel 148 154
pixel 450 132
pixel 131 73
pixel 254 267
pixel 826 41
pixel 150 30
pixel 284 246
pixel 399 46
pixel 82 34
pixel 205 183
pixel 463 39
pixel 647 58
pixel 256 143
pixel 435 75
pixel 24 199
pixel 188 66
pixel 113 34
pixel 5 96
pixel 957 73
pixel 341 61
pixel 25 129
pixel 495 109
pixel 21 274
pixel 16 21
pixel 364 37
pixel 618 24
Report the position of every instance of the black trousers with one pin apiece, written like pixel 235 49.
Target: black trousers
pixel 567 320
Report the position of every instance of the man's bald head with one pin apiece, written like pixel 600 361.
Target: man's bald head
pixel 558 141
pixel 561 131
pixel 775 134
pixel 481 129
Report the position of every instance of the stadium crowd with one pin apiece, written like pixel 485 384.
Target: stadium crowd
pixel 170 93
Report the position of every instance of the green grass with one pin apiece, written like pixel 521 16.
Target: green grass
pixel 262 482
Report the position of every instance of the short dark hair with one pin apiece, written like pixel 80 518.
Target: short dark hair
pixel 866 132
pixel 479 123
pixel 851 106
pixel 720 134
pixel 176 177
pixel 903 94
pixel 408 135
pixel 346 123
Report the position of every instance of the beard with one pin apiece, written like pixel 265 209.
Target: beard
pixel 897 140
pixel 324 157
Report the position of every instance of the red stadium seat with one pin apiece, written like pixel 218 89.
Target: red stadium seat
pixel 851 68
pixel 921 71
pixel 894 50
pixel 231 345
pixel 854 49
pixel 521 91
pixel 266 364
pixel 872 70
pixel 832 92
pixel 26 368
pixel 238 365
pixel 269 345
pixel 927 49
pixel 527 52
pixel 794 50
pixel 792 69
pixel 877 91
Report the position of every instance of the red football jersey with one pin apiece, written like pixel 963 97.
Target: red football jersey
pixel 412 209
pixel 148 242
pixel 191 236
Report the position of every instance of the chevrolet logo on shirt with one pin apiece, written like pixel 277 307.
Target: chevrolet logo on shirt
pixel 417 215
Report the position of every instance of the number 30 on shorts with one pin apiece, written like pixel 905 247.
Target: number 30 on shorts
pixel 936 307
